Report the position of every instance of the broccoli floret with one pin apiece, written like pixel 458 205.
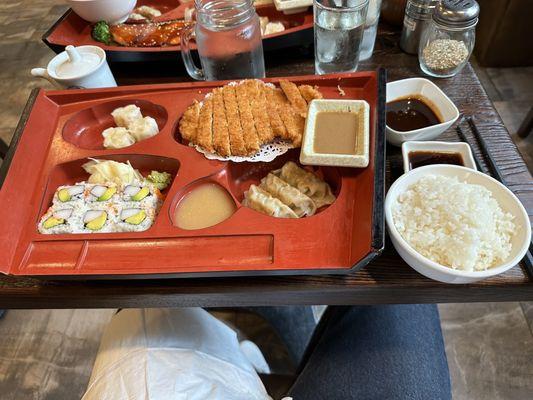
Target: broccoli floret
pixel 101 32
pixel 159 179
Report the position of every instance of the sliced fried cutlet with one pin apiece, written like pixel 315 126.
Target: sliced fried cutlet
pixel 189 122
pixel 236 138
pixel 275 119
pixel 256 97
pixel 295 98
pixel 204 133
pixel 309 93
pixel 220 125
pixel 294 123
pixel 250 137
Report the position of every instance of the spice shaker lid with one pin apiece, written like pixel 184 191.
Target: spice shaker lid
pixel 457 13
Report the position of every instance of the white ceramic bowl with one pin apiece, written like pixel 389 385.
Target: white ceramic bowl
pixel 111 11
pixel 438 147
pixel 428 89
pixel 505 198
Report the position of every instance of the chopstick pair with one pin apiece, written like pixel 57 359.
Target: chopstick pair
pixel 494 171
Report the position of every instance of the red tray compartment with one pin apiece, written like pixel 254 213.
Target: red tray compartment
pixel 51 150
pixel 74 30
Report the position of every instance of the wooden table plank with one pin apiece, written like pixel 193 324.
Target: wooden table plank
pixel 386 280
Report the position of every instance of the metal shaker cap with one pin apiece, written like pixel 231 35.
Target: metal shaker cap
pixel 457 13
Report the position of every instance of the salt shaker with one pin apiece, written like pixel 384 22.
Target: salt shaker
pixel 448 40
pixel 417 16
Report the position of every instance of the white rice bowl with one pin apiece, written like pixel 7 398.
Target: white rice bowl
pixel 455 224
pixel 507 201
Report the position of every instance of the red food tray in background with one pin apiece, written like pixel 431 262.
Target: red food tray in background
pixel 72 29
pixel 63 130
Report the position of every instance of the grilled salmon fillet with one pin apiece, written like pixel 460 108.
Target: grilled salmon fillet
pixel 150 34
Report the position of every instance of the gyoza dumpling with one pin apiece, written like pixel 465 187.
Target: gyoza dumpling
pixel 125 116
pixel 296 200
pixel 117 138
pixel 307 183
pixel 143 128
pixel 259 200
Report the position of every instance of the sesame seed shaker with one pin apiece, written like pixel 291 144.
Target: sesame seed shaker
pixel 417 15
pixel 448 40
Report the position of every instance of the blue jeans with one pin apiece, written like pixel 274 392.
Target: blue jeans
pixel 391 352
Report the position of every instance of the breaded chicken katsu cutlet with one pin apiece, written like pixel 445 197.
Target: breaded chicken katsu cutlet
pixel 236 119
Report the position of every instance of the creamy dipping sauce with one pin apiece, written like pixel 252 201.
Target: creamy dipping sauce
pixel 336 132
pixel 69 69
pixel 205 206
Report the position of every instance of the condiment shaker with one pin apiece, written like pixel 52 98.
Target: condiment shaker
pixel 448 40
pixel 417 16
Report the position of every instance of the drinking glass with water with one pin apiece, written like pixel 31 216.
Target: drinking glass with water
pixel 228 38
pixel 339 26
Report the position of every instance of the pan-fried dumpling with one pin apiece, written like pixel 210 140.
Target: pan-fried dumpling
pixel 296 200
pixel 143 128
pixel 125 116
pixel 307 183
pixel 259 200
pixel 117 138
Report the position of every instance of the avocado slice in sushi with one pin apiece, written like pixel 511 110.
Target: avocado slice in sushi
pixel 64 195
pixel 108 194
pixel 53 221
pixel 136 219
pixel 141 194
pixel 97 223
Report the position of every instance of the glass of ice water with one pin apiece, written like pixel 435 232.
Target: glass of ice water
pixel 339 26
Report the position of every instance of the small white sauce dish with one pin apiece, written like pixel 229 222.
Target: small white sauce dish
pixel 421 86
pixel 111 11
pixel 360 158
pixel 507 201
pixel 438 147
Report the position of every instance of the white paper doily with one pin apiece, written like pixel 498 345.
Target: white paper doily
pixel 266 153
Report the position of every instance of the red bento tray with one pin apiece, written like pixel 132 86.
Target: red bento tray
pixel 72 29
pixel 61 129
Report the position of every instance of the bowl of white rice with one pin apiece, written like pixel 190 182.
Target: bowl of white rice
pixel 456 225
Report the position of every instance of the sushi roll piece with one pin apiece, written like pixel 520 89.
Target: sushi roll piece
pixel 59 220
pixel 99 220
pixel 147 196
pixel 133 218
pixel 102 193
pixel 69 194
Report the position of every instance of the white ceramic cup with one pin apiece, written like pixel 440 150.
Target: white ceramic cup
pixel 98 77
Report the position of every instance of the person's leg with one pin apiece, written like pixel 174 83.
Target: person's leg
pixel 294 325
pixel 386 352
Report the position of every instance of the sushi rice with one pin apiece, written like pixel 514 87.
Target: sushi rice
pixel 131 209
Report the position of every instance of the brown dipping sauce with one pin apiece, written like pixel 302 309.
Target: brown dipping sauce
pixel 335 132
pixel 412 112
pixel 422 158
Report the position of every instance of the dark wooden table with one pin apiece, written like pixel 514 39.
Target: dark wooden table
pixel 386 280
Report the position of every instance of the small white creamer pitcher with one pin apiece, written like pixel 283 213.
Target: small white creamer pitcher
pixel 78 67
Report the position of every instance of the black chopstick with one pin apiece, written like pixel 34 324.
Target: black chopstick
pixel 463 137
pixel 528 258
pixel 484 148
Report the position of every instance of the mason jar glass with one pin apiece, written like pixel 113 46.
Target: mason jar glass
pixel 228 38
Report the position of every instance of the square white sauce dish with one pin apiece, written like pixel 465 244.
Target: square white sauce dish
pixel 417 110
pixel 418 154
pixel 336 134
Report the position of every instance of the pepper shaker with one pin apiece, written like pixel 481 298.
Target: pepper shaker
pixel 417 15
pixel 448 40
